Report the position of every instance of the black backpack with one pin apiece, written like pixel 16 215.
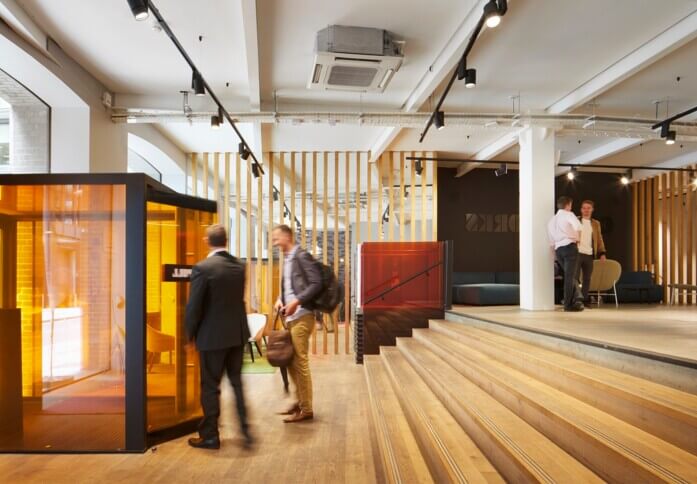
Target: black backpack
pixel 329 297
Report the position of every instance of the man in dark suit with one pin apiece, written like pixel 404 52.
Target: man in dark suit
pixel 217 321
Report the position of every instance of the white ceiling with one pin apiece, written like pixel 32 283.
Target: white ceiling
pixel 542 50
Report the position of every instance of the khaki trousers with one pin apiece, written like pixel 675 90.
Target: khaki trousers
pixel 299 369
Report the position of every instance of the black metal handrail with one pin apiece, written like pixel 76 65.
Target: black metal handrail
pixel 409 279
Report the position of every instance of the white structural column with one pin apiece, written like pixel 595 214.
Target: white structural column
pixel 537 163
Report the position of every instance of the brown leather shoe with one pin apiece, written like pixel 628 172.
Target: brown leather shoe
pixel 291 410
pixel 299 416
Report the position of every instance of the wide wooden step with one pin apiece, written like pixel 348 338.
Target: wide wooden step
pixel 663 411
pixel 518 451
pixel 450 454
pixel 614 449
pixel 401 458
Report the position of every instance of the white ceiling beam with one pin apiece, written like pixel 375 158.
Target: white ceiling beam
pixel 20 22
pixel 251 46
pixel 664 43
pixel 437 72
pixel 490 151
pixel 599 152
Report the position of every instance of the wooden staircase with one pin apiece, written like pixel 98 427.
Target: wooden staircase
pixel 456 403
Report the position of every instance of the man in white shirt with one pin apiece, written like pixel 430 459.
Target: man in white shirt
pixel 564 232
pixel 591 245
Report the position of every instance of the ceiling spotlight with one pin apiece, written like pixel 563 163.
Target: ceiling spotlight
pixel 664 130
pixel 197 84
pixel 255 170
pixel 470 78
pixel 571 174
pixel 670 138
pixel 244 152
pixel 501 170
pixel 275 195
pixel 626 178
pixel 439 120
pixel 419 167
pixel 215 122
pixel 139 9
pixel 491 14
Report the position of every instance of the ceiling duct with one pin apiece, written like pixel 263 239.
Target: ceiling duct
pixel 358 59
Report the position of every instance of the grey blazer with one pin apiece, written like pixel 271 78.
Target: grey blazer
pixel 306 279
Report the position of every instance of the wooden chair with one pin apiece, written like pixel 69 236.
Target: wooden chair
pixel 604 279
pixel 157 342
pixel 256 323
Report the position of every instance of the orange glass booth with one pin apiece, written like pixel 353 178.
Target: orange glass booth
pixel 93 353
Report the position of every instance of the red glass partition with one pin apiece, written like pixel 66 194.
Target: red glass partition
pixel 401 288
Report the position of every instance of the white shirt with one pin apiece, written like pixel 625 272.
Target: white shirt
pixel 288 294
pixel 585 246
pixel 563 229
pixel 215 251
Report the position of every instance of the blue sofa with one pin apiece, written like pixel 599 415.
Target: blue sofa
pixel 486 288
pixel 638 287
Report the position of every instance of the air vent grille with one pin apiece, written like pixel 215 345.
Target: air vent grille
pixel 351 76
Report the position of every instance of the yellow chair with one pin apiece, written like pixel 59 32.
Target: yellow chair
pixel 157 342
pixel 604 279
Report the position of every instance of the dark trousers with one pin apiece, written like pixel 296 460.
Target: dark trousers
pixel 585 270
pixel 568 259
pixel 213 364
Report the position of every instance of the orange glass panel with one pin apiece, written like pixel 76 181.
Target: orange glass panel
pixel 175 235
pixel 62 345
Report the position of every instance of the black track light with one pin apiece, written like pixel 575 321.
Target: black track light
pixel 275 195
pixel 470 78
pixel 197 84
pixel 664 130
pixel 439 120
pixel 501 170
pixel 419 167
pixel 461 70
pixel 491 14
pixel 243 151
pixel 670 137
pixel 255 170
pixel 215 122
pixel 139 9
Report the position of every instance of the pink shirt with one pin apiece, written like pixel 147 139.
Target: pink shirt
pixel 563 229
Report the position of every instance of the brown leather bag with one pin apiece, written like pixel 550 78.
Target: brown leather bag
pixel 279 344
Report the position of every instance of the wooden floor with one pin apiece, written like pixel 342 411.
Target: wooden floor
pixel 335 447
pixel 658 330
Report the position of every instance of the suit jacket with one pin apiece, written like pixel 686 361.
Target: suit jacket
pixel 305 277
pixel 598 242
pixel 215 314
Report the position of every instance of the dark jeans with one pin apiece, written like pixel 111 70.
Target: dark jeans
pixel 585 270
pixel 568 259
pixel 213 365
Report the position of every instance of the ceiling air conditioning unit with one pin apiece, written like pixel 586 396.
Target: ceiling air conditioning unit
pixel 356 59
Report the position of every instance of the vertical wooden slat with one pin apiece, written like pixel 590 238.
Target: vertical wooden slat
pixel 635 226
pixel 260 244
pixel 378 218
pixel 673 228
pixel 690 242
pixel 434 201
pixel 347 255
pixel 654 224
pixel 269 274
pixel 358 198
pixel 648 225
pixel 412 198
pixel 238 206
pixel 325 209
pixel 281 207
pixel 401 197
pixel 664 235
pixel 250 233
pixel 303 189
pixel 314 231
pixel 642 220
pixel 216 180
pixel 292 192
pixel 226 191
pixel 680 237
pixel 423 199
pixel 205 176
pixel 194 174
pixel 390 191
pixel 369 198
pixel 336 248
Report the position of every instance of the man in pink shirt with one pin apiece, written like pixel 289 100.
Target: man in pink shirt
pixel 564 232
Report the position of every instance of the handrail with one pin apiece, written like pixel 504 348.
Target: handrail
pixel 409 279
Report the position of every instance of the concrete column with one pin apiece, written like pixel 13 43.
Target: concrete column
pixel 537 164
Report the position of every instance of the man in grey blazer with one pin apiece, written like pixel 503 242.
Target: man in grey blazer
pixel 216 320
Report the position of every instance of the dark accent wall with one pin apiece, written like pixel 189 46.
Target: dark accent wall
pixel 479 213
